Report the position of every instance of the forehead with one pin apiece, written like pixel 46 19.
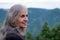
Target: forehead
pixel 24 11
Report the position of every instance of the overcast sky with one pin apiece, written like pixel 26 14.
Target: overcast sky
pixel 48 4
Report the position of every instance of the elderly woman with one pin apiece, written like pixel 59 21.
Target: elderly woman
pixel 15 24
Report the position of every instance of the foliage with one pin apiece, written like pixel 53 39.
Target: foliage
pixel 47 33
pixel 29 36
pixel 57 32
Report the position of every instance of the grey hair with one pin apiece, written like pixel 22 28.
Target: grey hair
pixel 12 13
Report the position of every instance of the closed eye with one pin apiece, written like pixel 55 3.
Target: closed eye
pixel 22 16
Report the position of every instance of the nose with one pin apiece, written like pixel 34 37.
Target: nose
pixel 26 19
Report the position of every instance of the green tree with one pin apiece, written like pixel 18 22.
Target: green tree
pixel 46 32
pixel 57 32
pixel 29 36
pixel 38 37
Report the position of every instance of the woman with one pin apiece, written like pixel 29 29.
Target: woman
pixel 15 24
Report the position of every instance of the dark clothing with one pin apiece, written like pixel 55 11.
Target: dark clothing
pixel 13 36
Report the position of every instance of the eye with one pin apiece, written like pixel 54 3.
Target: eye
pixel 26 15
pixel 22 16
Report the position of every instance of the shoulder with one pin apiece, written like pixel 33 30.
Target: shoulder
pixel 12 36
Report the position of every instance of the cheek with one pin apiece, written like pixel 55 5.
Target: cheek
pixel 19 21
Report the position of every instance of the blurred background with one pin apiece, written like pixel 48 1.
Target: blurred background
pixel 43 15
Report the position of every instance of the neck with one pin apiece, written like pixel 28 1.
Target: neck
pixel 22 31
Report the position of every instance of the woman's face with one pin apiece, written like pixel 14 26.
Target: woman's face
pixel 22 19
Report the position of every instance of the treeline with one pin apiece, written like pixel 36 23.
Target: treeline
pixel 47 33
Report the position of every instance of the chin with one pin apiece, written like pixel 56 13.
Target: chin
pixel 23 26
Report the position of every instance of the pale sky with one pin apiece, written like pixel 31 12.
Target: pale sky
pixel 48 4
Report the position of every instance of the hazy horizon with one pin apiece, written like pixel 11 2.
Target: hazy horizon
pixel 46 4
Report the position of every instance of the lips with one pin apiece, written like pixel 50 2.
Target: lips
pixel 24 23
